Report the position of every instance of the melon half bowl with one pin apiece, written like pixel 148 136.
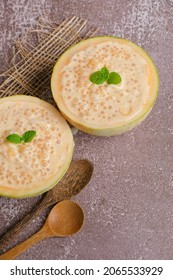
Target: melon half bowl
pixel 31 168
pixel 105 109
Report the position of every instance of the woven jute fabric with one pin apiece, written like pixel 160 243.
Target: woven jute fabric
pixel 36 53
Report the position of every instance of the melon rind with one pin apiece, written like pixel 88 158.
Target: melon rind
pixel 108 130
pixel 55 178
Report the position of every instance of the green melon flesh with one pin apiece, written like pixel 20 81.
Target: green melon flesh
pixel 105 110
pixel 29 169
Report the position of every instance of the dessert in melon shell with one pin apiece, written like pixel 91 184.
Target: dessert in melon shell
pixel 105 85
pixel 36 146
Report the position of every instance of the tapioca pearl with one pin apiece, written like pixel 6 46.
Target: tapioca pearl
pixel 92 105
pixel 108 98
pixel 82 114
pixel 40 156
pixel 14 177
pixel 87 113
pixel 9 182
pixel 66 75
pixel 43 173
pixel 36 165
pixel 101 103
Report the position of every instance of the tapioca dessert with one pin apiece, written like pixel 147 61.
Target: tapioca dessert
pixel 36 146
pixel 105 85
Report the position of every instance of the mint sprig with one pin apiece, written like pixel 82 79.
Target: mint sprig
pixel 26 137
pixel 99 77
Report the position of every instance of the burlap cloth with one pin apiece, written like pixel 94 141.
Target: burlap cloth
pixel 36 53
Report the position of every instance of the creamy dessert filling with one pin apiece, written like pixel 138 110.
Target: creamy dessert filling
pixel 105 105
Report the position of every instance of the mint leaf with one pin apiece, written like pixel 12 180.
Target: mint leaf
pixel 114 78
pixel 105 73
pixel 97 78
pixel 14 138
pixel 28 136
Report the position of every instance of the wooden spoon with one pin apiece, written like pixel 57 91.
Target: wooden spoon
pixel 66 218
pixel 75 179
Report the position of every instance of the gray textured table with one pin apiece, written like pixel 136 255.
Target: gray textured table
pixel 129 201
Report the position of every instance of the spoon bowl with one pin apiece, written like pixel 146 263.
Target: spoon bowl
pixel 66 218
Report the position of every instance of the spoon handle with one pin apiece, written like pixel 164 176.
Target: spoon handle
pixel 6 239
pixel 17 250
